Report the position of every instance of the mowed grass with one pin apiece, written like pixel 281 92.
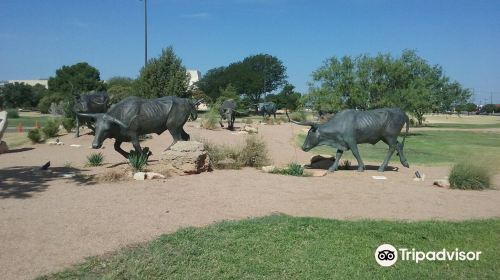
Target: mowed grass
pixel 29 121
pixel 282 247
pixel 430 148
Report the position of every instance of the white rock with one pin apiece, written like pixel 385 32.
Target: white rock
pixel 316 172
pixel 140 176
pixel 268 169
pixel 75 145
pixel 3 123
pixel 379 177
pixel 153 175
pixel 443 183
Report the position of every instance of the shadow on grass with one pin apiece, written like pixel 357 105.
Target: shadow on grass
pixel 23 181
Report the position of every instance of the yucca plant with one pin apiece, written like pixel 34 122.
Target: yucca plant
pixel 293 169
pixel 95 159
pixel 138 160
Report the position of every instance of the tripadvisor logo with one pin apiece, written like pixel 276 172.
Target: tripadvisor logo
pixel 387 255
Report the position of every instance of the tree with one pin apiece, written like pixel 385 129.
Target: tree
pixel 76 79
pixel 21 95
pixel 252 77
pixel 120 88
pixel 164 76
pixel 286 98
pixel 489 108
pixel 470 107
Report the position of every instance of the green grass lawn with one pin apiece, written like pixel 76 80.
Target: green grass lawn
pixel 29 121
pixel 282 247
pixel 431 148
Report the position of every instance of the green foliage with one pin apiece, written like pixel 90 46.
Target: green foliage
pixel 138 160
pixel 120 88
pixel 163 76
pixel 468 176
pixel 254 153
pixel 252 77
pixel 293 169
pixel 75 79
pixel 68 124
pixel 284 247
pixel 298 116
pixel 35 136
pixel 21 95
pixel 286 98
pixel 210 119
pixel 364 82
pixel 53 97
pixel 470 107
pixel 489 108
pixel 12 113
pixel 95 159
pixel 51 128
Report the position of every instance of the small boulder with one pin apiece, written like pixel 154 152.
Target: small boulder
pixel 316 172
pixel 186 157
pixel 268 169
pixel 140 176
pixel 442 183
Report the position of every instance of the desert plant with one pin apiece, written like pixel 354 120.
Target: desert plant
pixel 298 116
pixel 221 157
pixel 35 136
pixel 12 113
pixel 211 120
pixel 138 160
pixel 68 124
pixel 254 153
pixel 293 169
pixel 95 159
pixel 469 176
pixel 51 129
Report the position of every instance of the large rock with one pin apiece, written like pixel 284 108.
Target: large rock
pixel 186 157
pixel 3 123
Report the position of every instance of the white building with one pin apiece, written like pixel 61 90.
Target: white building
pixel 194 76
pixel 43 82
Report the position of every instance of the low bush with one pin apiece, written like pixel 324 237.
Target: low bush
pixel 293 169
pixel 68 124
pixel 51 129
pixel 35 136
pixel 138 160
pixel 299 116
pixel 254 153
pixel 211 120
pixel 468 176
pixel 12 113
pixel 95 159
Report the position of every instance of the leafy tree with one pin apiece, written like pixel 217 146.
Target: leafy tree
pixel 21 95
pixel 489 108
pixel 53 97
pixel 164 76
pixel 75 79
pixel 470 108
pixel 120 88
pixel 286 98
pixel 252 77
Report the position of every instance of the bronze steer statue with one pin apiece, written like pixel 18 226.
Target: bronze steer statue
pixel 227 112
pixel 135 116
pixel 349 128
pixel 97 102
pixel 267 108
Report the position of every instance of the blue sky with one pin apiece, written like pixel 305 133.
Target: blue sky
pixel 37 37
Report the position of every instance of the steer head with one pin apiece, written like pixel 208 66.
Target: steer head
pixel 105 125
pixel 313 135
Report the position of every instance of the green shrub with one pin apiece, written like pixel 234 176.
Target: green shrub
pixel 12 113
pixel 95 159
pixel 299 116
pixel 253 154
pixel 51 129
pixel 293 169
pixel 68 124
pixel 35 136
pixel 138 160
pixel 211 120
pixel 468 176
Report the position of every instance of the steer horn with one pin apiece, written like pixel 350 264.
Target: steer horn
pixel 299 123
pixel 89 115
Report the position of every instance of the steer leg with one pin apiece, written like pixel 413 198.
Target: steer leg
pixel 77 128
pixel 402 158
pixel 355 152
pixel 176 134
pixel 119 149
pixel 335 165
pixel 184 135
pixel 392 148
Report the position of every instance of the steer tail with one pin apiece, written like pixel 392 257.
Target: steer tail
pixel 407 121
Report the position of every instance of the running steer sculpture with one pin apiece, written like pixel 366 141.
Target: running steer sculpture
pixel 135 116
pixel 227 112
pixel 267 108
pixel 350 127
pixel 90 103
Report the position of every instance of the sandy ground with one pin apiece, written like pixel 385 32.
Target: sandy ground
pixel 48 222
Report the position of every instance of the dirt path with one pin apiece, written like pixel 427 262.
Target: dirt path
pixel 48 222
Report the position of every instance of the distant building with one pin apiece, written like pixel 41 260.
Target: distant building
pixel 194 76
pixel 43 82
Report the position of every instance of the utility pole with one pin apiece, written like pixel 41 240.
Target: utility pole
pixel 145 32
pixel 491 97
